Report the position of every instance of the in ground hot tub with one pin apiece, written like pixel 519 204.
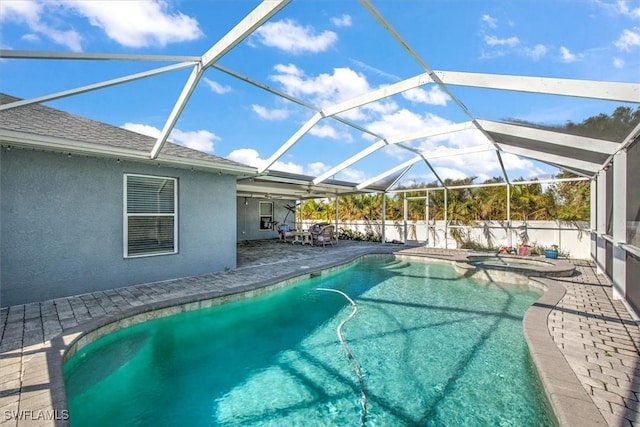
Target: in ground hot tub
pixel 527 266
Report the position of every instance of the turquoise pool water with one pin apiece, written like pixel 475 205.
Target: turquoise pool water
pixel 433 350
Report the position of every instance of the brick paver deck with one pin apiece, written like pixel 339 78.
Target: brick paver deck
pixel 599 339
pixel 585 346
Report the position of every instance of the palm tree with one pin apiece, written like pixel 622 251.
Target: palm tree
pixel 491 201
pixel 572 199
pixel 528 202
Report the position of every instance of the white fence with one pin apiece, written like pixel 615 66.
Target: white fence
pixel 572 238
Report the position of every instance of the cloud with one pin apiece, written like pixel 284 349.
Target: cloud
pixel 290 37
pixel 451 173
pixel 483 165
pixel 201 140
pixel 370 110
pixel 495 41
pixel 381 107
pixel 490 21
pixel 317 168
pixel 375 70
pixel 536 52
pixel 251 157
pixel 129 23
pixel 31 38
pixel 20 11
pixel 623 8
pixel 491 54
pixel 275 114
pixel 328 131
pixel 403 122
pixel 618 63
pixel 342 21
pixel 496 47
pixel 351 175
pixel 323 89
pixel 628 39
pixel 434 96
pixel 148 130
pixel 499 47
pixel 442 144
pixel 138 23
pixel 31 13
pixel 216 87
pixel 516 163
pixel 288 69
pixel 248 156
pixel 567 57
pixel 288 167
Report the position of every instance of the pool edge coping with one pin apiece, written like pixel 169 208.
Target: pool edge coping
pixel 571 404
pixel 570 401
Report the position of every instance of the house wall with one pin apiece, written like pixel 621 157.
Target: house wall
pixel 62 226
pixel 248 226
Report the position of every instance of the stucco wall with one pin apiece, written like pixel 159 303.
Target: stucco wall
pixel 248 227
pixel 62 226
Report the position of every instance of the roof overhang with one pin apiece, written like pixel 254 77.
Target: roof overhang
pixel 61 145
pixel 284 185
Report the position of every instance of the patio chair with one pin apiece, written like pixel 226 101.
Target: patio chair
pixel 326 236
pixel 284 231
pixel 315 230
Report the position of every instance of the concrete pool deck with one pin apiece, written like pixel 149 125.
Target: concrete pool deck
pixel 584 343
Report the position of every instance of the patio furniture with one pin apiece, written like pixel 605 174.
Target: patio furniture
pixel 315 230
pixel 302 237
pixel 326 236
pixel 284 231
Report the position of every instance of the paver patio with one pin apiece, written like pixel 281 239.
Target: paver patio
pixel 584 342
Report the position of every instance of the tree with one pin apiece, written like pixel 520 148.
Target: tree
pixel 610 128
pixel 491 201
pixel 567 201
pixel 572 199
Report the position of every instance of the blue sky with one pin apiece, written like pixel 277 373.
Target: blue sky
pixel 325 52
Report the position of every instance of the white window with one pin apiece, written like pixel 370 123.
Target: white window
pixel 150 215
pixel 266 216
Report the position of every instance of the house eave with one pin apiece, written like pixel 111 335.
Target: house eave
pixel 48 143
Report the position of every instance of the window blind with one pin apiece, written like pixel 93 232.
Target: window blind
pixel 150 215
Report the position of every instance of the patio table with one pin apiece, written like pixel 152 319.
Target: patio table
pixel 302 237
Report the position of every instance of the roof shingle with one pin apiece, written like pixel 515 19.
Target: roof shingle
pixel 45 121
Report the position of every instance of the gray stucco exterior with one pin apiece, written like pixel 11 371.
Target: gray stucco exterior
pixel 62 225
pixel 248 227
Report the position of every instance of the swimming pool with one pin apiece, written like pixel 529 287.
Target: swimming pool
pixel 433 349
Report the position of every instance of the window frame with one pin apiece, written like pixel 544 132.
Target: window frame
pixel 261 217
pixel 126 215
